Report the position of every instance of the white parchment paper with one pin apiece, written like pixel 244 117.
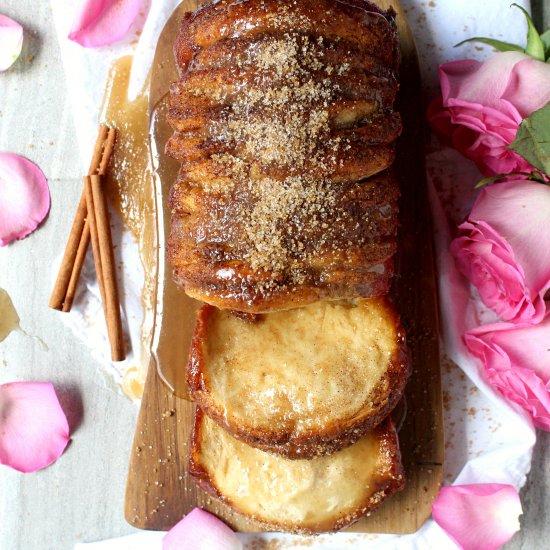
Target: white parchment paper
pixel 487 439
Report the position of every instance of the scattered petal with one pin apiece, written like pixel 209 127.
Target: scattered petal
pixel 484 515
pixel 200 530
pixel 24 197
pixel 11 41
pixel 516 360
pixel 102 22
pixel 33 428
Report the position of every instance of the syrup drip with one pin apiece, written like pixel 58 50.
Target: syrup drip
pixel 9 320
pixel 130 189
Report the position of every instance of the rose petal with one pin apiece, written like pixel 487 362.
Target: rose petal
pixel 516 360
pixel 482 105
pixel 33 428
pixel 488 262
pixel 519 212
pixel 200 530
pixel 11 41
pixel 24 197
pixel 102 22
pixel 504 80
pixel 478 516
pixel 529 88
pixel 476 82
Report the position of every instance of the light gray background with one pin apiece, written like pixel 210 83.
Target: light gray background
pixel 80 498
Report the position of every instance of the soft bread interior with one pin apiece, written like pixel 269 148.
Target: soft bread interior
pixel 328 371
pixel 321 494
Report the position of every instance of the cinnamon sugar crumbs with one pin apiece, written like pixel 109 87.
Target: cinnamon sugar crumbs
pixel 295 201
pixel 284 121
pixel 284 18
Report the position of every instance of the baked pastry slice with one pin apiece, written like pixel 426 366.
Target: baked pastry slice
pixel 284 126
pixel 301 382
pixel 302 496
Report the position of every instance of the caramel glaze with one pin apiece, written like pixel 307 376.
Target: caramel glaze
pixel 131 192
pixel 284 128
pixel 9 320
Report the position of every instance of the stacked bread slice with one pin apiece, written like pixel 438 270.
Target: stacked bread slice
pixel 302 496
pixel 303 382
pixel 284 221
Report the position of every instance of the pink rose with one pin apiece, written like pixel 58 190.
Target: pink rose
pixel 482 105
pixel 516 360
pixel 503 249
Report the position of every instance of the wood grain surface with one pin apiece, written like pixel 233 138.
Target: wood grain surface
pixel 159 490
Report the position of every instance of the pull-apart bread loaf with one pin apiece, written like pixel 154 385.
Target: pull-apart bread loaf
pixel 303 382
pixel 325 493
pixel 284 126
pixel 284 216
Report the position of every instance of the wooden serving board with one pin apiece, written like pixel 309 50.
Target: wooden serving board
pixel 159 490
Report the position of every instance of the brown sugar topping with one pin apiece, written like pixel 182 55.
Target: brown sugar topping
pixel 296 202
pixel 280 118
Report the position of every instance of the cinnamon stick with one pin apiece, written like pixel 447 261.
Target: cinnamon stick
pixel 68 263
pixel 101 245
pixel 78 263
pixel 108 147
pixel 98 152
pixel 99 166
pixel 91 225
pixel 105 241
pixel 79 237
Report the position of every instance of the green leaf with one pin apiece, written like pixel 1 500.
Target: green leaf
pixel 535 46
pixel 493 179
pixel 490 179
pixel 497 44
pixel 545 37
pixel 537 176
pixel 533 140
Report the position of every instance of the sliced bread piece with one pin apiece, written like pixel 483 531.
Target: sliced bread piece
pixel 302 382
pixel 302 496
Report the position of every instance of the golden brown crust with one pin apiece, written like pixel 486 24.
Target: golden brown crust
pixel 347 254
pixel 342 428
pixel 199 147
pixel 280 110
pixel 230 294
pixel 337 20
pixel 221 86
pixel 245 50
pixel 387 479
